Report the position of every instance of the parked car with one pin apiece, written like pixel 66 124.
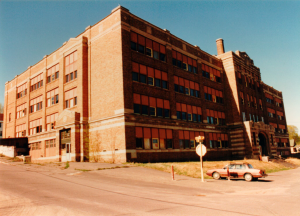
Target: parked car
pixel 237 170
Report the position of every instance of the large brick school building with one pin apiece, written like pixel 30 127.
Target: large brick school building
pixel 126 90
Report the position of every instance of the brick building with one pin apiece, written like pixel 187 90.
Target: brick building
pixel 126 90
pixel 1 124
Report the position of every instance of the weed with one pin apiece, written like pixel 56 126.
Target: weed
pixel 116 167
pixel 67 165
pixel 83 170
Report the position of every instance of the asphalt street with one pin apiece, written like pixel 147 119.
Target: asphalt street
pixel 42 190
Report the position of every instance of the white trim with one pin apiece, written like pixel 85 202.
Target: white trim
pixel 43 139
pixel 107 153
pixel 46 158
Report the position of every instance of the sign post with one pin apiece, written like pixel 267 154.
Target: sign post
pixel 201 151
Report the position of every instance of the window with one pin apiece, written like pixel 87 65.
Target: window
pixel 215 117
pixel 21 130
pixel 150 76
pixel 152 111
pixel 186 87
pixel 260 104
pixel 52 97
pixel 184 62
pixel 242 97
pixel 278 102
pixel 50 121
pixel 271 113
pixel 280 115
pixel 211 73
pixel 239 77
pixel 22 90
pixel 248 100
pixel 244 116
pixel 35 126
pixel 188 112
pixel 151 106
pixel 21 110
pixel 36 146
pixel 153 138
pixel 36 82
pixel 282 128
pixel 150 81
pixel 218 140
pixel 246 81
pixel 36 104
pixel 53 73
pixel 269 98
pixel 146 46
pixel 258 88
pixel 71 98
pixel 51 143
pixel 187 139
pixel 213 95
pixel 71 67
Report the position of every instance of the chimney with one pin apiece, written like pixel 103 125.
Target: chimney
pixel 220 46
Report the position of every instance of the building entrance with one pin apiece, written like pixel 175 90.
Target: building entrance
pixel 65 145
pixel 263 144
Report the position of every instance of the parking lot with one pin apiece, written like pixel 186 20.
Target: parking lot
pixel 110 189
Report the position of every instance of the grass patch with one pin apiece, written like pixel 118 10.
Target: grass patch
pixel 15 159
pixel 67 165
pixel 293 161
pixel 83 170
pixel 192 169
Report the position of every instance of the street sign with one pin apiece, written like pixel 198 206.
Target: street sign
pixel 201 150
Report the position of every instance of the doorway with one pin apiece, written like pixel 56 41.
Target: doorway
pixel 65 145
pixel 68 151
pixel 263 144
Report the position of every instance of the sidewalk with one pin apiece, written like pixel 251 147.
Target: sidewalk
pixel 62 167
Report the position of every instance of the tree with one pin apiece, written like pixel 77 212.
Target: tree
pixel 293 133
pixel 1 108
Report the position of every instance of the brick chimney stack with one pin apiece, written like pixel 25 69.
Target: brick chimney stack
pixel 220 46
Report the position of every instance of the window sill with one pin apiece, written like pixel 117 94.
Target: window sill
pixel 71 107
pixel 36 89
pixel 36 111
pixel 21 97
pixel 135 51
pixel 211 80
pixel 151 85
pixel 160 117
pixel 187 95
pixel 20 117
pixel 52 105
pixel 70 81
pixel 184 70
pixel 53 81
pixel 214 102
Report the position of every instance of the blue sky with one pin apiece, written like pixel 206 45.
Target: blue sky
pixel 269 31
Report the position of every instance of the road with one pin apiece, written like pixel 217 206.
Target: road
pixel 38 190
